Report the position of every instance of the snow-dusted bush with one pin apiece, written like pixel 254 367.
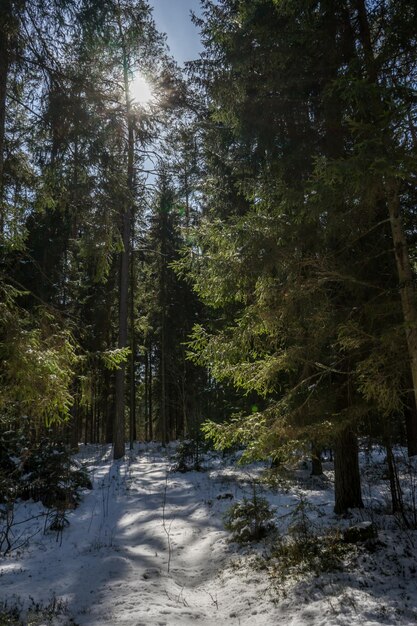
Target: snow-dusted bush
pixel 249 519
pixel 297 556
pixel 306 549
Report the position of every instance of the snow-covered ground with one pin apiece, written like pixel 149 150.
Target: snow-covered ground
pixel 148 547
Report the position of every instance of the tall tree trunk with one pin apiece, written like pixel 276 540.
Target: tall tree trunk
pixel 150 396
pixel 366 41
pixel 126 219
pixel 346 463
pixel 407 293
pixel 4 70
pixel 162 337
pixel 108 406
pixel 87 412
pixel 164 430
pixel 411 423
pixel 132 407
pixel 347 483
pixel 184 420
pixel 146 392
pixel 395 487
pixel 402 257
pixel 316 464
pixel 74 426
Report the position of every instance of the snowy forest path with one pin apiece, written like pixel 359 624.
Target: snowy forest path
pixel 146 546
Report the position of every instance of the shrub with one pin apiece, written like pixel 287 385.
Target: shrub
pixel 188 456
pixel 44 472
pixel 250 519
pixel 299 556
pixel 303 550
pixel 52 476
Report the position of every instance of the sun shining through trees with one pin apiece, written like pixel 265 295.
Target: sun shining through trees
pixel 208 262
pixel 140 90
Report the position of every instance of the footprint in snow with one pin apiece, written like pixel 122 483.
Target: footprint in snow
pixel 151 573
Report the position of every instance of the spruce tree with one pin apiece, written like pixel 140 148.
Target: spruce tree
pixel 296 249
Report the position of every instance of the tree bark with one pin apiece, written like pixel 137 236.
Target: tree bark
pixel 146 391
pixel 164 429
pixel 407 294
pixel 366 41
pixel 395 487
pixel 132 407
pixel 150 395
pixel 119 426
pixel 402 257
pixel 347 483
pixel 316 465
pixel 4 70
pixel 411 423
pixel 126 219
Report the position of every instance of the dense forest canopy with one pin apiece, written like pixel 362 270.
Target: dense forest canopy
pixel 237 254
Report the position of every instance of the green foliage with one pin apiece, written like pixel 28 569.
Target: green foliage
pixel 52 476
pixel 37 363
pixel 113 359
pixel 45 472
pixel 268 435
pixel 294 253
pixel 64 188
pixel 303 551
pixel 239 431
pixel 188 455
pixel 250 519
pixel 297 557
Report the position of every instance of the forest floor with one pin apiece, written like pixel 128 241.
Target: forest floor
pixel 147 546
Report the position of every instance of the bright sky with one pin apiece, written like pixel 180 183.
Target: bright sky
pixel 173 18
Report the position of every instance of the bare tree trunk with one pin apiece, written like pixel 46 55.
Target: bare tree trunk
pixel 146 392
pixel 411 423
pixel 316 465
pixel 119 426
pixel 347 483
pixel 164 430
pixel 4 70
pixel 108 406
pixel 402 257
pixel 86 424
pixel 365 35
pixel 74 426
pixel 183 392
pixel 407 292
pixel 126 218
pixel 132 407
pixel 395 487
pixel 92 415
pixel 150 405
pixel 187 198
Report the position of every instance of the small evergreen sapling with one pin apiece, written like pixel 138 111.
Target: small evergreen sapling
pixel 188 455
pixel 53 476
pixel 304 550
pixel 250 519
pixel 45 471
